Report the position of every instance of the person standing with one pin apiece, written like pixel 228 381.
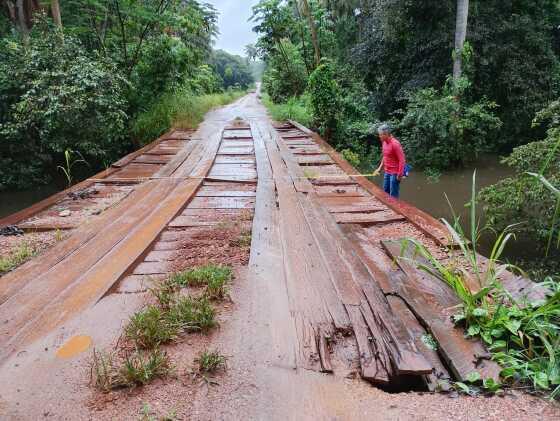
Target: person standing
pixel 393 161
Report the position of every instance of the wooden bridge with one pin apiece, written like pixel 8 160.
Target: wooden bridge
pixel 325 250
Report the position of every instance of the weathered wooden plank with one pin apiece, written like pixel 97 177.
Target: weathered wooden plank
pixel 314 159
pixel 308 352
pixel 370 369
pixel 439 379
pixel 324 352
pixel 463 356
pixel 222 203
pixel 380 217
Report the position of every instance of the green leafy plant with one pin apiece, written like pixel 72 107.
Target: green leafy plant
pixel 524 337
pixel 151 327
pixel 209 362
pixel 69 162
pixel 110 371
pixel 214 277
pixel 192 314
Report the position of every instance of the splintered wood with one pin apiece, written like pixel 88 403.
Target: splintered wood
pixel 346 278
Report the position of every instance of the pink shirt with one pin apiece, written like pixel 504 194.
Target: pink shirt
pixel 393 157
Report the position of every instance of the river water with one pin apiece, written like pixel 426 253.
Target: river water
pixel 418 189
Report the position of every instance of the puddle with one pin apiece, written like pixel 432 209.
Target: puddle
pixel 74 346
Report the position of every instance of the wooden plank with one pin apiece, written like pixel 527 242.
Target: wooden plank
pixel 309 284
pixel 324 352
pixel 222 203
pixel 382 217
pixel 370 369
pixel 93 270
pixel 439 379
pixel 463 356
pixel 153 159
pixel 308 350
pixel 314 159
pixel 294 170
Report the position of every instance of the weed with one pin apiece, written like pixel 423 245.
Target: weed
pixel 165 291
pixel 69 164
pixel 109 371
pixel 17 257
pixel 244 240
pixel 307 173
pixel 58 236
pixel 209 362
pixel 214 277
pixel 192 314
pixel 524 337
pixel 151 327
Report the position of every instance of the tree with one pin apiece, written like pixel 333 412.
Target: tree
pixel 313 29
pixel 55 10
pixel 460 36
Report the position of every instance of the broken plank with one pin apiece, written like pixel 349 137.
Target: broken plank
pixel 380 217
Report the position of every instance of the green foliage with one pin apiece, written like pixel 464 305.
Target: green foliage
pixel 192 314
pixel 17 257
pixel 214 277
pixel 524 337
pixel 151 327
pixel 523 198
pixel 55 97
pixel 179 109
pixel 285 76
pixel 443 129
pixel 232 70
pixel 324 94
pixel 110 371
pixel 296 109
pixel 352 157
pixel 210 361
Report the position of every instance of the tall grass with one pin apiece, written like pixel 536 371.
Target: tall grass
pixel 294 109
pixel 180 109
pixel 524 337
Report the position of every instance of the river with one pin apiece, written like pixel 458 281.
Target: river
pixel 418 190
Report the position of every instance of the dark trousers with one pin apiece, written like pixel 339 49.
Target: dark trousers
pixel 391 185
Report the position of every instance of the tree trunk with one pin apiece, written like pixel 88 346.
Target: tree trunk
pixel 55 10
pixel 460 36
pixel 313 28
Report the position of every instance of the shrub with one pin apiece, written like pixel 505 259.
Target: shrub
pixel 324 97
pixel 151 327
pixel 285 76
pixel 54 97
pixel 296 109
pixel 523 199
pixel 442 129
pixel 192 314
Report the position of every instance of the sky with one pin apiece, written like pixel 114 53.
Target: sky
pixel 235 30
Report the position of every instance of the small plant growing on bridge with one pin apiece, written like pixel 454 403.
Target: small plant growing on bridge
pixel 17 257
pixel 244 240
pixel 151 327
pixel 523 336
pixel 192 314
pixel 210 361
pixel 214 277
pixel 110 371
pixel 70 162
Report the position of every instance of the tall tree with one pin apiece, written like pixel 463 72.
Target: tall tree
pixel 313 29
pixel 460 36
pixel 55 10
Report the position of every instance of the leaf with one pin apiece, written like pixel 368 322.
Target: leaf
pixel 463 387
pixel 480 312
pixel 473 330
pixel 473 377
pixel 513 326
pixel 541 380
pixel 498 345
pixel 491 385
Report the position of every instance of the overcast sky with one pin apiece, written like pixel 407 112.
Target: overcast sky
pixel 235 30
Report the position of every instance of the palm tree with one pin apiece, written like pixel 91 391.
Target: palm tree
pixel 313 29
pixel 460 36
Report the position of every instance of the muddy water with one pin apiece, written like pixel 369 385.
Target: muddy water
pixel 429 195
pixel 11 202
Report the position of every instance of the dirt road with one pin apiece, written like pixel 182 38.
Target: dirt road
pixel 296 289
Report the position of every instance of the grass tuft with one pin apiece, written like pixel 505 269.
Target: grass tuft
pixel 296 109
pixel 214 277
pixel 209 362
pixel 192 314
pixel 110 372
pixel 19 256
pixel 244 240
pixel 151 327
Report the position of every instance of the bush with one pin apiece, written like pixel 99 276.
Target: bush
pixel 523 199
pixel 442 129
pixel 296 109
pixel 285 76
pixel 324 97
pixel 54 97
pixel 179 109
